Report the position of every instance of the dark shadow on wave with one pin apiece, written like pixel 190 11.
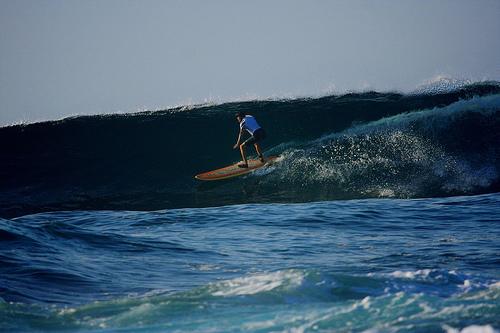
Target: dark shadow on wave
pixel 147 161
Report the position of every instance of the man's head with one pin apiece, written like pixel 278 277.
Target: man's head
pixel 239 116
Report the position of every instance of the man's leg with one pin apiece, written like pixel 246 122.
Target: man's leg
pixel 259 152
pixel 242 151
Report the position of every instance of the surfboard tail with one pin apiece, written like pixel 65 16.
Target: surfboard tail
pixel 234 170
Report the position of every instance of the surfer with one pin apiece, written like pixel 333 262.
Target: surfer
pixel 257 133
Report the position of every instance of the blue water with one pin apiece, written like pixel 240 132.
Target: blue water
pixel 381 214
pixel 391 265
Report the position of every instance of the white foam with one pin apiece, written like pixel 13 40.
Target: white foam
pixel 66 311
pixel 386 193
pixel 255 284
pixel 411 274
pixel 471 329
pixel 466 285
pixel 365 302
pixel 441 83
pixel 495 285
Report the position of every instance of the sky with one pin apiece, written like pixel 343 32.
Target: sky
pixel 61 58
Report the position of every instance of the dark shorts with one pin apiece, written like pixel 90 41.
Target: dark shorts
pixel 257 136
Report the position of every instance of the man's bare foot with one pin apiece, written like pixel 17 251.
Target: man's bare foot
pixel 243 165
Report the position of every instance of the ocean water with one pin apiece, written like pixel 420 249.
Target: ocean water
pixel 388 265
pixel 381 215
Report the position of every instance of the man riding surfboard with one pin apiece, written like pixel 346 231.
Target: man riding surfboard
pixel 257 133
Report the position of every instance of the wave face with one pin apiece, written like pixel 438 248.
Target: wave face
pixel 359 145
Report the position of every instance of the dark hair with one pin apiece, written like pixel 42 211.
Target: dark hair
pixel 240 114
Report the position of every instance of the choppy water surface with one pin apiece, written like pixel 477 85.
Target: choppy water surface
pixel 383 264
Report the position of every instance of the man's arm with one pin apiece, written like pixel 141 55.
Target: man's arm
pixel 239 138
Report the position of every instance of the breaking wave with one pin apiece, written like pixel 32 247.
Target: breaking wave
pixel 360 145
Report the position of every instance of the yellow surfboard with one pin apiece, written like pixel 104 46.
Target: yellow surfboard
pixel 234 170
